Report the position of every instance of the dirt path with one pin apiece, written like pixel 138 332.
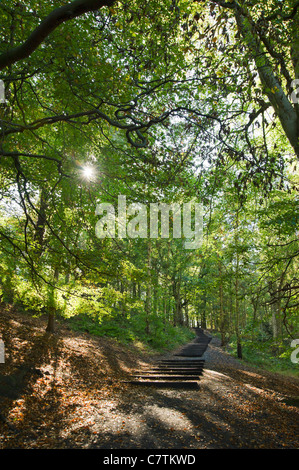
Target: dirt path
pixel 78 398
pixel 235 407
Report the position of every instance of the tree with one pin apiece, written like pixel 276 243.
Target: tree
pixel 165 101
pixel 269 38
pixel 52 21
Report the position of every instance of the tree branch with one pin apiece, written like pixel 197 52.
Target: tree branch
pixel 50 23
pixel 285 17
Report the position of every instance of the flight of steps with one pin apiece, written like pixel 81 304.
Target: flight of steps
pixel 197 347
pixel 182 371
pixel 170 373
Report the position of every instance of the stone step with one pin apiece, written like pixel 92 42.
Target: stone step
pixel 181 371
pixel 166 377
pixel 171 372
pixel 187 366
pixel 166 384
pixel 178 364
pixel 182 362
pixel 190 354
pixel 178 369
pixel 197 349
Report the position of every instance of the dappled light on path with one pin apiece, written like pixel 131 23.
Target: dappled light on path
pixel 80 399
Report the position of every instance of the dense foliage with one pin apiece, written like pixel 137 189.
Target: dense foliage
pixel 159 102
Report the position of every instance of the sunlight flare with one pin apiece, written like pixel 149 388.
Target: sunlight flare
pixel 88 173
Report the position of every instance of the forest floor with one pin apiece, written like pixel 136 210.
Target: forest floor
pixel 74 397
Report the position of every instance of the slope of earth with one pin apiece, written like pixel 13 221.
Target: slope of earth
pixel 72 396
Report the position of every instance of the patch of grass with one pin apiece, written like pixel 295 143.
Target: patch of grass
pixel 160 337
pixel 267 355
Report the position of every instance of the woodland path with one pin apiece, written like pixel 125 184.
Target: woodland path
pixel 236 406
pixel 182 370
pixel 78 399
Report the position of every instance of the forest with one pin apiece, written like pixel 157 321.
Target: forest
pixel 178 103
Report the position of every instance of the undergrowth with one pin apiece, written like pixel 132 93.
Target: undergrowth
pixel 159 336
pixel 268 354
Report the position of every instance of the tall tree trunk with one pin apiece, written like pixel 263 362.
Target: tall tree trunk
pixel 39 238
pixel 134 289
pixel 222 314
pixel 52 308
pixel 284 109
pixel 41 222
pixel 237 307
pixel 148 287
pixel 203 320
pixel 274 322
pixel 186 305
pixel 276 312
pixel 178 314
pixel 203 316
pixel 51 322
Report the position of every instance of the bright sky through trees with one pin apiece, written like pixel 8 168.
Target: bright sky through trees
pixel 159 101
pixel 88 172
